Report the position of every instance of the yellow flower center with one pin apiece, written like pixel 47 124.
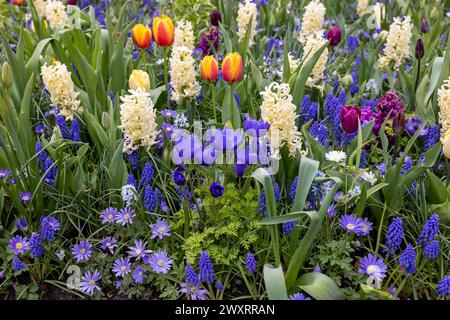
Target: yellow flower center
pixel 138 251
pixel 19 245
pixel 161 230
pixel 91 282
pixel 161 263
pixel 110 216
pixel 83 250
pixel 108 244
pixel 123 268
pixel 127 216
pixel 371 269
pixel 350 226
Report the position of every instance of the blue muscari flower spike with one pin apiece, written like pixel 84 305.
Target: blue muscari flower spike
pixel 432 138
pixel 219 285
pixel 132 180
pixel 320 132
pixel 352 44
pixel 63 127
pixel 18 264
pixel 206 268
pixel 293 188
pixel 394 236
pixel 354 88
pixel 288 227
pixel 408 259
pixel 36 245
pixel 308 110
pixel 332 109
pixel 363 160
pixel 42 154
pixel 431 250
pixel 75 131
pixel 430 230
pixel 51 175
pixel 250 263
pixel 134 159
pixel 147 174
pixel 150 200
pixel 191 275
pixel 443 288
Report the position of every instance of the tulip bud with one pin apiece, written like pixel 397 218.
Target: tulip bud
pixel 420 51
pixel 105 120
pixel 142 36
pixel 446 144
pixel 334 35
pixel 232 67
pixel 6 75
pixel 163 31
pixel 383 35
pixel 424 26
pixel 349 118
pixel 209 68
pixel 215 17
pixel 139 79
pixel 347 81
pixel 434 13
pixel 18 2
pixel 399 122
pixel 72 2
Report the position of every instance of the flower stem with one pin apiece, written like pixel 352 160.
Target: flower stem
pixel 213 100
pixel 166 74
pixel 417 77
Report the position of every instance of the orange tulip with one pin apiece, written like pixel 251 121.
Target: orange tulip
pixel 142 36
pixel 209 68
pixel 232 67
pixel 18 2
pixel 163 31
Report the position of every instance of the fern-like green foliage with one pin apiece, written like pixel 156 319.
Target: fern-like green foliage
pixel 195 11
pixel 228 234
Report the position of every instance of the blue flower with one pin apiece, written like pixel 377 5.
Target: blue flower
pixel 288 227
pixel 178 177
pixel 373 266
pixel 49 226
pixel 150 200
pixel 131 180
pixel 250 263
pixel 134 159
pixel 394 236
pixel 36 245
pixel 216 190
pixel 408 259
pixel 430 229
pixel 191 276
pixel 443 289
pixel 147 174
pixel 88 283
pixel 298 296
pixel 18 264
pixel 206 268
pixel 75 131
pixel 432 137
pixel 61 123
pixel 431 250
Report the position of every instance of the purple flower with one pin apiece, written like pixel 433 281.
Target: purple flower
pixel 193 291
pixel 334 35
pixel 206 268
pixel 49 226
pixel 125 216
pixel 139 250
pixel 256 128
pixel 18 244
pixel 209 42
pixel 408 259
pixel 82 251
pixel 40 129
pixel 431 250
pixel 36 245
pixel 108 243
pixel 250 263
pixel 160 229
pixel 109 215
pixel 216 189
pixel 167 113
pixel 191 275
pixel 178 177
pixel 394 236
pixel 5 174
pixel 88 282
pixel 413 124
pixel 373 266
pixel 443 289
pixel 25 197
pixel 298 296
pixel 18 264
pixel 430 229
pixel 121 267
pixel 366 227
pixel 332 211
pixel 160 262
pixel 139 274
pixel 351 224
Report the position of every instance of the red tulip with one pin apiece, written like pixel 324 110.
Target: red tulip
pixel 209 68
pixel 334 35
pixel 349 118
pixel 18 2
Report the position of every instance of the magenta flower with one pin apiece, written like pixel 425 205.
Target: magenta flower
pixel 349 118
pixel 334 35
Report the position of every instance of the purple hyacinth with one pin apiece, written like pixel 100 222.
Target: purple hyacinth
pixel 75 131
pixel 443 288
pixel 206 268
pixel 431 250
pixel 35 243
pixel 209 42
pixel 389 104
pixel 150 200
pixel 18 264
pixel 430 230
pixel 191 276
pixel 394 236
pixel 408 259
pixel 250 263
pixel 147 174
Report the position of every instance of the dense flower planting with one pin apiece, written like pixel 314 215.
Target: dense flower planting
pixel 197 149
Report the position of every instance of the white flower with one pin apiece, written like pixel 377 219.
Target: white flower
pixel 369 176
pixel 182 74
pixel 40 7
pixel 184 36
pixel 247 12
pixel 362 6
pixel 55 13
pixel 335 156
pixel 312 20
pixel 354 192
pixel 293 63
pixel 181 121
pixel 57 79
pixel 138 120
pixel 313 43
pixel 397 43
pixel 129 194
pixel 372 86
pixel 444 107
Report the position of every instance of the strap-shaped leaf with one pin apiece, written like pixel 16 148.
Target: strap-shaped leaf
pixel 274 281
pixel 320 286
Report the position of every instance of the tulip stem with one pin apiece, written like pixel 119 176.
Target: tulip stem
pixel 213 100
pixel 166 74
pixel 447 163
pixel 417 77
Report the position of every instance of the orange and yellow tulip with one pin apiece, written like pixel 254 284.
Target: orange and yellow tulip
pixel 142 36
pixel 163 31
pixel 18 2
pixel 232 67
pixel 209 68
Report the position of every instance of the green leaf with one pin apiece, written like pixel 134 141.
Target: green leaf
pixel 320 286
pixel 285 218
pixel 274 281
pixel 436 190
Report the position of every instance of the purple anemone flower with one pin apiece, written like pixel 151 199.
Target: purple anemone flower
pixel 88 282
pixel 121 267
pixel 82 251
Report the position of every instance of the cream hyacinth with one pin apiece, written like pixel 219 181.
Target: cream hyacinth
pixel 182 74
pixel 247 11
pixel 362 6
pixel 444 106
pixel 40 7
pixel 184 36
pixel 278 110
pixel 138 120
pixel 313 43
pixel 55 13
pixel 397 43
pixel 293 63
pixel 139 79
pixel 379 11
pixel 312 20
pixel 57 79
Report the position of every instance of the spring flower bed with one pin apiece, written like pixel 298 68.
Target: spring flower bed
pixel 197 149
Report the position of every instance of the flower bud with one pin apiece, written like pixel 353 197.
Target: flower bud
pixel 349 118
pixel 232 67
pixel 334 35
pixel 420 51
pixel 163 31
pixel 399 122
pixel 424 26
pixel 434 13
pixel 105 120
pixel 6 75
pixel 142 36
pixel 139 79
pixel 446 144
pixel 72 2
pixel 209 68
pixel 347 80
pixel 215 18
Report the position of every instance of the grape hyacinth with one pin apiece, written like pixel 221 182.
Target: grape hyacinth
pixel 408 259
pixel 191 276
pixel 147 174
pixel 394 236
pixel 61 123
pixel 430 229
pixel 206 268
pixel 443 288
pixel 150 200
pixel 431 250
pixel 250 263
pixel 36 245
pixel 75 131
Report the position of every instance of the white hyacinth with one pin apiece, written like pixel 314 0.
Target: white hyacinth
pixel 278 109
pixel 55 13
pixel 57 79
pixel 444 106
pixel 362 6
pixel 397 43
pixel 184 36
pixel 247 12
pixel 312 20
pixel 138 120
pixel 313 43
pixel 182 74
pixel 335 156
pixel 129 194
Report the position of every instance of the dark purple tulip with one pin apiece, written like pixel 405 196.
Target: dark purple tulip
pixel 349 118
pixel 215 17
pixel 424 26
pixel 399 121
pixel 420 51
pixel 72 2
pixel 334 35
